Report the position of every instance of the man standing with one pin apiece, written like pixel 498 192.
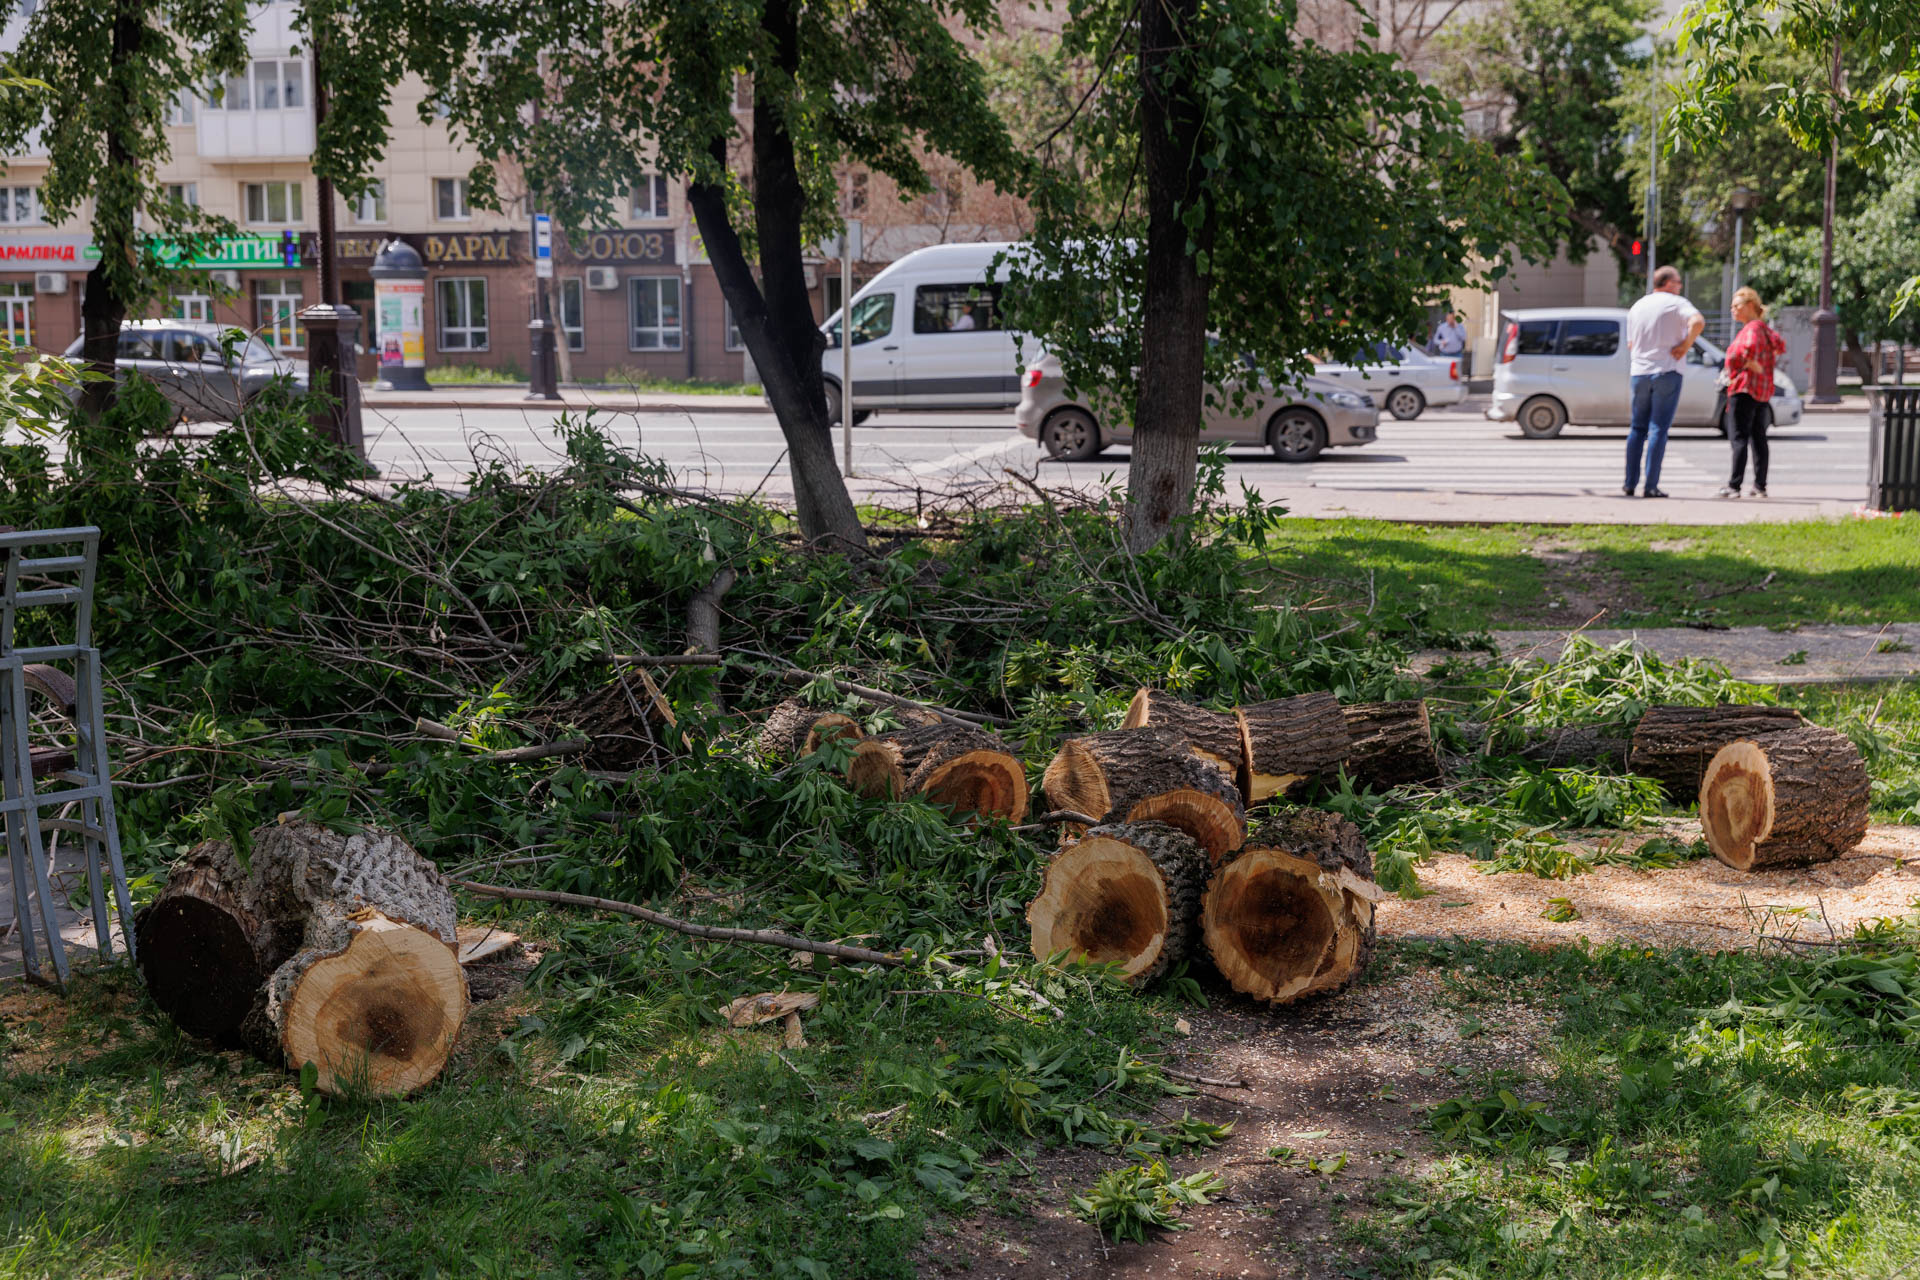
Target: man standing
pixel 1660 331
pixel 1449 336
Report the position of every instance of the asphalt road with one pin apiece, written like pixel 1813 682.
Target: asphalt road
pixel 1448 464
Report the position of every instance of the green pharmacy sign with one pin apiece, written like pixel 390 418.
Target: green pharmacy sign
pixel 278 252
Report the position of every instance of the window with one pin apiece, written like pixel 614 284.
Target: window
pixel 573 311
pixel 193 348
pixel 463 313
pixel 742 93
pixel 275 307
pixel 734 341
pixel 955 308
pixel 238 95
pixel 857 193
pixel 653 307
pixel 872 318
pixel 650 197
pixel 1589 337
pixel 190 306
pixel 1535 337
pixel 181 112
pixel 186 193
pixel 139 344
pixel 19 206
pixel 273 202
pixel 943 201
pixel 371 207
pixel 16 313
pixel 450 200
pixel 277 84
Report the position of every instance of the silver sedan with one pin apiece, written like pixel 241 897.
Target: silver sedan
pixel 1404 380
pixel 1297 423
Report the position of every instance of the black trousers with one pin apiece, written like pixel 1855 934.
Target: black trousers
pixel 1747 420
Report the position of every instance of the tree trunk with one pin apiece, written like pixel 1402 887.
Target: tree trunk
pixel 1785 798
pixel 1147 775
pixel 1861 361
pixel 1124 894
pixel 1392 743
pixel 793 730
pixel 1173 302
pixel 1290 741
pixel 1674 744
pixel 1291 914
pixel 962 769
pixel 1214 736
pixel 775 315
pixel 343 946
pixel 103 307
pixel 1606 745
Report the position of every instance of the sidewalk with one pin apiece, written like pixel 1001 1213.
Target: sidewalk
pixel 607 398
pixel 1825 654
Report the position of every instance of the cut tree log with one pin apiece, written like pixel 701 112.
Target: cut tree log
pixel 326 948
pixel 1392 743
pixel 962 769
pixel 1291 914
pixel 1147 775
pixel 794 730
pixel 1605 745
pixel 1123 894
pixel 1674 744
pixel 1290 741
pixel 1214 736
pixel 875 770
pixel 1784 799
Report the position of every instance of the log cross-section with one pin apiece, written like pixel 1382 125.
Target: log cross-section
pixel 793 729
pixel 1124 894
pixel 1784 799
pixel 1147 775
pixel 963 770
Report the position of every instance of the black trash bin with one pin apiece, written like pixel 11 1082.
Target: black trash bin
pixel 1893 443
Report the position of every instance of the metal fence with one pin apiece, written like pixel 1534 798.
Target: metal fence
pixel 1893 460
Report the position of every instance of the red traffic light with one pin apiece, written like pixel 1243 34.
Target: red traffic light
pixel 1636 248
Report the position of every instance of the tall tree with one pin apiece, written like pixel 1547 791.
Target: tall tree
pixel 1543 81
pixel 114 69
pixel 756 104
pixel 1243 198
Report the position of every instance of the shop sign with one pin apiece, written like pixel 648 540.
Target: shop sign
pixel 437 248
pixel 282 252
pixel 621 248
pixel 46 251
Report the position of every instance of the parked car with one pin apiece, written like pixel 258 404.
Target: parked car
pixel 927 334
pixel 1570 365
pixel 1405 381
pixel 1297 423
pixel 186 362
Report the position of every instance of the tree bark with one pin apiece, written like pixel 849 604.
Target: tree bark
pixel 1580 744
pixel 203 956
pixel 1146 775
pixel 775 315
pixel 1289 741
pixel 793 729
pixel 1173 336
pixel 1392 743
pixel 1674 744
pixel 1124 894
pixel 961 769
pixel 1214 736
pixel 1784 799
pixel 1291 914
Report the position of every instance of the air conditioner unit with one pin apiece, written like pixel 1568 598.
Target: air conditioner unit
pixel 228 280
pixel 49 282
pixel 602 278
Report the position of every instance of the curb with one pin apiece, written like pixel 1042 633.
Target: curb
pixel 564 406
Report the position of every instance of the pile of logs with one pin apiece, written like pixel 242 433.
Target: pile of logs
pixel 323 948
pixel 958 766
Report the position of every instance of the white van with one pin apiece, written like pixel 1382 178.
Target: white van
pixel 927 335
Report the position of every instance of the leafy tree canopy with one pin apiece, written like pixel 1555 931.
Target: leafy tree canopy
pixel 1876 250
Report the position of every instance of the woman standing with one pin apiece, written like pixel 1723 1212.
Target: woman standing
pixel 1750 362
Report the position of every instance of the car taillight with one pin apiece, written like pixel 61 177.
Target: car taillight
pixel 1453 370
pixel 1512 349
pixel 1034 375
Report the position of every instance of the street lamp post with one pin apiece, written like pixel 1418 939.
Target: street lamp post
pixel 331 327
pixel 1740 201
pixel 1826 321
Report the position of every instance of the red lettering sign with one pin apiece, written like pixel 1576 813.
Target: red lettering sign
pixel 37 252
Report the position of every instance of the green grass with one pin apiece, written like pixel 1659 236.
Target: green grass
pixel 1471 578
pixel 475 375
pixel 1699 1116
pixel 640 380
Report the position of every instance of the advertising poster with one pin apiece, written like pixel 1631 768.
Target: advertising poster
pixel 400 313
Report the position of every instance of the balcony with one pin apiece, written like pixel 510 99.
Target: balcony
pixel 263 113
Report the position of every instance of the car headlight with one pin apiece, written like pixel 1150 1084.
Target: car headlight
pixel 1348 400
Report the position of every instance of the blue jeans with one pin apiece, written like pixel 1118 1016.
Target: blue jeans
pixel 1655 397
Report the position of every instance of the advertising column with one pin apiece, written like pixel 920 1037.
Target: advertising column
pixel 400 317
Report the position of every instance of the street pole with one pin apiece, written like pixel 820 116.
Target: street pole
pixel 542 381
pixel 1826 321
pixel 846 349
pixel 1739 216
pixel 331 328
pixel 1653 162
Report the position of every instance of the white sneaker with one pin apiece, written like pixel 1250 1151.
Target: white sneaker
pixel 1728 491
pixel 1756 493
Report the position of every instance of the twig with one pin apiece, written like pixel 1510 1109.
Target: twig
pixel 1745 586
pixel 1055 818
pixel 1191 1078
pixel 713 933
pixel 800 675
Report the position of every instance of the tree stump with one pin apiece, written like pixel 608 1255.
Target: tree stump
pixel 794 730
pixel 1214 736
pixel 1392 743
pixel 1124 894
pixel 343 945
pixel 1289 741
pixel 1784 799
pixel 1291 914
pixel 1674 744
pixel 1147 775
pixel 961 769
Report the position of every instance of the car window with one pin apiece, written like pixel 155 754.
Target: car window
pixel 188 348
pixel 255 351
pixel 1589 337
pixel 872 317
pixel 1697 354
pixel 1536 337
pixel 139 344
pixel 956 308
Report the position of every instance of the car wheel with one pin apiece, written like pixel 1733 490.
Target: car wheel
pixel 1406 403
pixel 1296 435
pixel 1542 418
pixel 1071 435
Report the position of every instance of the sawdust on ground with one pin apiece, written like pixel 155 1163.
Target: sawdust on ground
pixel 1704 905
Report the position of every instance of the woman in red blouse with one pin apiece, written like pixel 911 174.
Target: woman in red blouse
pixel 1750 362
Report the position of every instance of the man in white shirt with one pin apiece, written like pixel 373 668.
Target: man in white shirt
pixel 1661 328
pixel 1450 339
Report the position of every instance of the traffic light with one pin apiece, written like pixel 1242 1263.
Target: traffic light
pixel 290 249
pixel 1637 256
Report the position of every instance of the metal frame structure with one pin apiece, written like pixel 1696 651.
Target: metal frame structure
pixel 51 570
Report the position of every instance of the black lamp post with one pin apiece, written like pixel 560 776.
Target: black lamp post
pixel 331 327
pixel 1826 321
